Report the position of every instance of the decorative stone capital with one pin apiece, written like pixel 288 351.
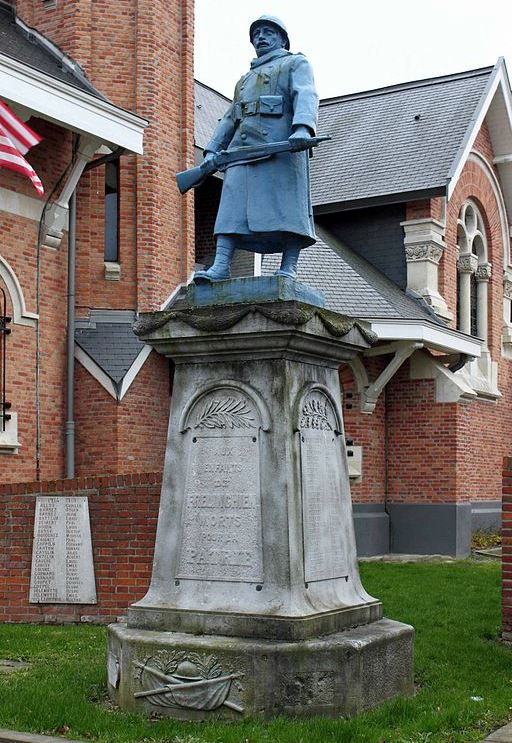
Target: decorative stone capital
pixel 467 263
pixel 507 288
pixel 425 252
pixel 424 245
pixel 483 272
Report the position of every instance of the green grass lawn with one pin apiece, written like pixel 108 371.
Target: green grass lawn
pixel 463 674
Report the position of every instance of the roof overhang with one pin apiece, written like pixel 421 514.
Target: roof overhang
pixel 379 200
pixel 51 99
pixel 435 337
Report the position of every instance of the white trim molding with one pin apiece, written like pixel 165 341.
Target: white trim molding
pixel 21 316
pixel 117 391
pixel 437 337
pixel 20 205
pixel 69 106
pixel 497 80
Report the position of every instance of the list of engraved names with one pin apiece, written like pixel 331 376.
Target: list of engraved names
pixel 62 563
pixel 221 535
pixel 324 554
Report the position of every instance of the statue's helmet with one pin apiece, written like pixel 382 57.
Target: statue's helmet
pixel 272 20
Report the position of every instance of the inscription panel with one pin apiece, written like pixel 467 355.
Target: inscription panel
pixel 221 530
pixel 62 561
pixel 322 507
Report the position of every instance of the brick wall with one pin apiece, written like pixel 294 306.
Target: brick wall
pixel 126 436
pixel 123 513
pixel 506 564
pixel 140 55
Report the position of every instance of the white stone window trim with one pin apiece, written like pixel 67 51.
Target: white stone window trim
pixel 473 261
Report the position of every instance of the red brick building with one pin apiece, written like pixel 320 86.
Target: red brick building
pixel 412 198
pixel 93 79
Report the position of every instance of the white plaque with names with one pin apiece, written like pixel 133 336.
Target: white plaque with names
pixel 221 532
pixel 322 497
pixel 62 559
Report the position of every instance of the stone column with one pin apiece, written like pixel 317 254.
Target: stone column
pixel 424 247
pixel 483 274
pixel 255 605
pixel 466 266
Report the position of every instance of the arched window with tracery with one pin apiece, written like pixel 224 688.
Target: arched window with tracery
pixel 473 272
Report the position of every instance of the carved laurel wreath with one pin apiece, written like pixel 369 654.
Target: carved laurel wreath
pixel 228 413
pixel 314 415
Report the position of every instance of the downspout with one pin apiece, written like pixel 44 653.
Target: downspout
pixel 70 376
pixel 70 372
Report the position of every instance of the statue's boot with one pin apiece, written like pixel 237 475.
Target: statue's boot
pixel 220 270
pixel 289 263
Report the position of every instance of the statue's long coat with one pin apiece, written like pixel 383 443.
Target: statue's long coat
pixel 270 196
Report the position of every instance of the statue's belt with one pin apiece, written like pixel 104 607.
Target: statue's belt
pixel 269 105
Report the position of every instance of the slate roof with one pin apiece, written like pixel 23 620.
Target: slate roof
pixel 350 284
pixel 395 140
pixel 210 107
pixel 112 345
pixel 379 149
pixel 28 46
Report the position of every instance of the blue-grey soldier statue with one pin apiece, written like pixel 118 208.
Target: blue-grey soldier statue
pixel 265 205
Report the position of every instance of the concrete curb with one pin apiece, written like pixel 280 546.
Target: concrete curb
pixel 503 735
pixel 12 736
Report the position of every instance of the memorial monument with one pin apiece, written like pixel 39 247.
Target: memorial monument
pixel 255 605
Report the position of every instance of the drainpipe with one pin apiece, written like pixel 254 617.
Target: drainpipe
pixel 70 372
pixel 70 376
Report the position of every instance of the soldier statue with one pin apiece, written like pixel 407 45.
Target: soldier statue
pixel 265 205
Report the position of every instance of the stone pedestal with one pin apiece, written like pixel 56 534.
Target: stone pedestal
pixel 255 605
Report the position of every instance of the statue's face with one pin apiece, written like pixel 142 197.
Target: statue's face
pixel 266 38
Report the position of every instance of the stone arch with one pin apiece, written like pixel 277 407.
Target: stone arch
pixel 19 310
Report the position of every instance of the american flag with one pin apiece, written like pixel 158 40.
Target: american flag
pixel 16 138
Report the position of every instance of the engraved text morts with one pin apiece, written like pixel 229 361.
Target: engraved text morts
pixel 255 605
pixel 221 532
pixel 62 561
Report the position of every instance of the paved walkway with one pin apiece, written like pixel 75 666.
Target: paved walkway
pixel 503 735
pixel 11 736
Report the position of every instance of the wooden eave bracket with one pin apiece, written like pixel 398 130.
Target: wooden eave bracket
pixel 370 392
pixel 56 212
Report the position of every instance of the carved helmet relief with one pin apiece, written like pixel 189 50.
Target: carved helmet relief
pixel 317 412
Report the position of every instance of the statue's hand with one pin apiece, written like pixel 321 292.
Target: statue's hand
pixel 299 139
pixel 207 163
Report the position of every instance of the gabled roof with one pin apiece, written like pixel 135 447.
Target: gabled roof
pixel 210 107
pixel 36 75
pixel 107 346
pixel 350 284
pixel 395 141
pixel 400 142
pixel 26 45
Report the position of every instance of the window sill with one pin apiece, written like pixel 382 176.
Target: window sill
pixel 9 443
pixel 112 271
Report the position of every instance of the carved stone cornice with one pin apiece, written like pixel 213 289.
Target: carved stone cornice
pixel 425 252
pixel 221 317
pixel 483 272
pixel 467 263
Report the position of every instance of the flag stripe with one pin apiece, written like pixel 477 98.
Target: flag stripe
pixel 22 136
pixel 11 159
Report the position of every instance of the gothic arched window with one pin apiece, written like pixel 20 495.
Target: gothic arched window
pixel 473 272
